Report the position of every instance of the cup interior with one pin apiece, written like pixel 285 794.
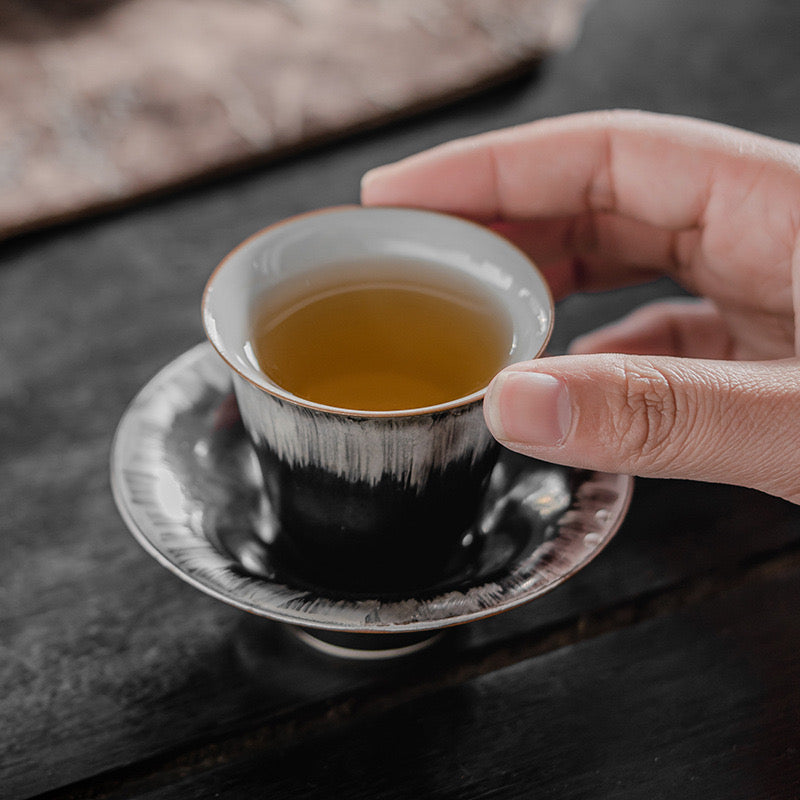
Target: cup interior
pixel 310 241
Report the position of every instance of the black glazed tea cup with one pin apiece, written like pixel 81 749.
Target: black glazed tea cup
pixel 369 501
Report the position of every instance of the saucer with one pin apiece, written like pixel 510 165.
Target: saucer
pixel 187 484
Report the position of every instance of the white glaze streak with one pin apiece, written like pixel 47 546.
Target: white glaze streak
pixel 406 449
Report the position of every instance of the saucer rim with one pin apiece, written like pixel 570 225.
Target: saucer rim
pixel 371 606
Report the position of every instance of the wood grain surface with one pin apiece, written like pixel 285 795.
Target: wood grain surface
pixel 700 703
pixel 668 668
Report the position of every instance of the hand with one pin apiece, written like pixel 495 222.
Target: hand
pixel 706 389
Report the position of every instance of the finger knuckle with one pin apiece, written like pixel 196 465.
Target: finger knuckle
pixel 648 420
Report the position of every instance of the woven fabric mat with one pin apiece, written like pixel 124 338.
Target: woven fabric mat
pixel 106 101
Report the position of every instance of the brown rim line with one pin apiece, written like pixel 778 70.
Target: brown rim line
pixel 283 394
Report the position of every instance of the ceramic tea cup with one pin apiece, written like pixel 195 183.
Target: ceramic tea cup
pixel 369 500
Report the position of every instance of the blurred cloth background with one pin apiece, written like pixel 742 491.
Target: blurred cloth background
pixel 106 101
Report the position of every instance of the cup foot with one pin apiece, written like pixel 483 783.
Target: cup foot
pixel 366 646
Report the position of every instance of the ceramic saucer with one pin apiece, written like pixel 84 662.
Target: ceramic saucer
pixel 186 482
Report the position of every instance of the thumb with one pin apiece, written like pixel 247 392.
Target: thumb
pixel 723 421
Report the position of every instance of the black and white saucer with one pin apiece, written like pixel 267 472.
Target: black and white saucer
pixel 187 484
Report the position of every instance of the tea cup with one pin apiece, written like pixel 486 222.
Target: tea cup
pixel 369 501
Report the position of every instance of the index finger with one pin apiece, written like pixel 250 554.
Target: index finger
pixel 671 173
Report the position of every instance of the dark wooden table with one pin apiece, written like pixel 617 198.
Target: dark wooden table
pixel 669 668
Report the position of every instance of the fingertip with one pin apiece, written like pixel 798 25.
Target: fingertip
pixel 400 183
pixel 491 406
pixel 371 185
pixel 528 408
pixel 582 345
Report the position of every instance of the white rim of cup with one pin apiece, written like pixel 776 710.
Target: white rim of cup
pixel 287 396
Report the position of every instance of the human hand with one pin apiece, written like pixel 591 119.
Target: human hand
pixel 705 389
